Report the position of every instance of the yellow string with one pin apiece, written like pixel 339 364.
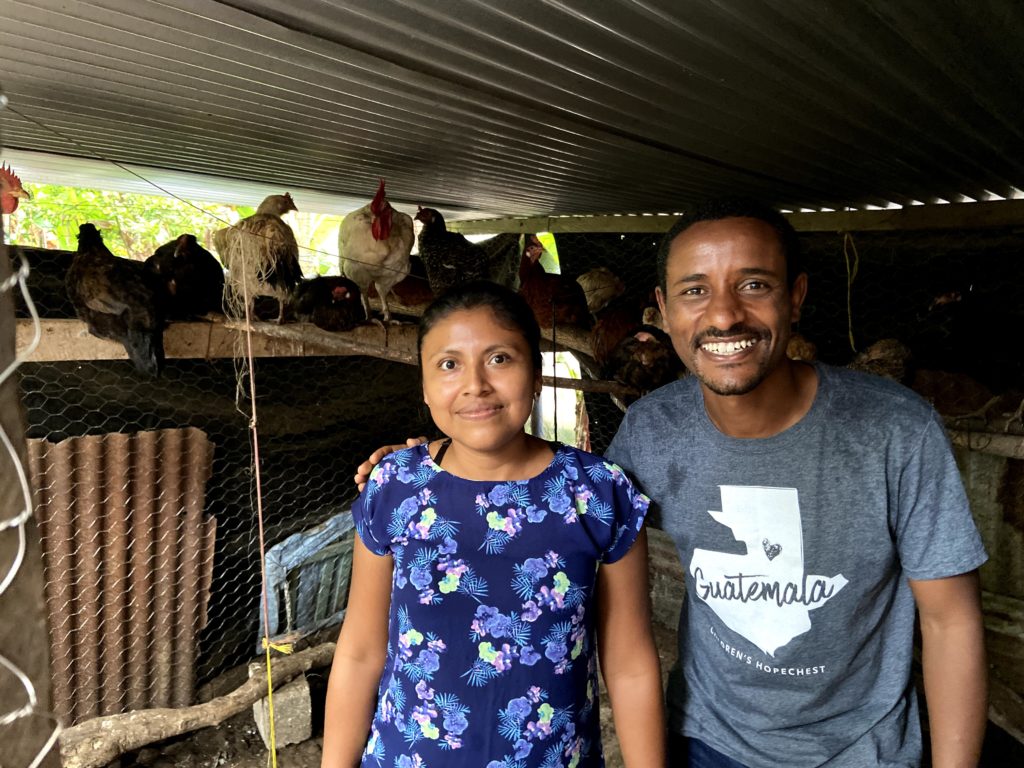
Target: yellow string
pixel 851 275
pixel 285 648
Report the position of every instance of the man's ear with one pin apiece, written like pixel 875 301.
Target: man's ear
pixel 659 295
pixel 797 294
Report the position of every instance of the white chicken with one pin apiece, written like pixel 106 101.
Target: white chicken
pixel 374 244
pixel 261 254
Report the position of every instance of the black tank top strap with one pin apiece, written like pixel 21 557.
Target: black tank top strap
pixel 442 450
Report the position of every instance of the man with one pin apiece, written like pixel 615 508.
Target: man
pixel 813 508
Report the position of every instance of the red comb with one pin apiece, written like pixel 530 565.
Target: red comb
pixel 379 197
pixel 10 177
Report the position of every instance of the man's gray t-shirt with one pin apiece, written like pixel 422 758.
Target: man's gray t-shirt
pixel 796 635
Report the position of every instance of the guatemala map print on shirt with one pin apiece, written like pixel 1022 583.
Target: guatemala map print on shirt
pixel 764 595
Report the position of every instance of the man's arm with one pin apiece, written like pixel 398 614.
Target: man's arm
pixel 955 671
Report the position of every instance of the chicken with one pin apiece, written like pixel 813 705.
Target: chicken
pixel 261 254
pixel 555 299
pixel 801 348
pixel 612 324
pixel 11 191
pixel 600 285
pixel 643 360
pixel 374 244
pixel 413 291
pixel 194 279
pixel 331 303
pixel 890 358
pixel 118 299
pixel 451 259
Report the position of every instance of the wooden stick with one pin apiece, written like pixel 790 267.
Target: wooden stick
pixel 96 742
pixel 995 443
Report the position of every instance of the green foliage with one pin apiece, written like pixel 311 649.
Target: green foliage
pixel 134 225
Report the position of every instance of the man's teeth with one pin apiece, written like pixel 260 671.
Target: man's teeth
pixel 727 347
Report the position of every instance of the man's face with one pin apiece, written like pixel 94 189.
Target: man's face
pixel 726 303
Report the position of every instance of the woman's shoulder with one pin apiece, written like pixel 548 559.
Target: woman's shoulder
pixel 597 468
pixel 404 466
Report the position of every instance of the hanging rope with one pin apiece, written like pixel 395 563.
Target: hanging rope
pixel 258 483
pixel 851 275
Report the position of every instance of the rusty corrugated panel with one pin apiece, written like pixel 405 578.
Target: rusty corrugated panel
pixel 128 556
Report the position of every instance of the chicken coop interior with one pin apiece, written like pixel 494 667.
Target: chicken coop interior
pixel 190 467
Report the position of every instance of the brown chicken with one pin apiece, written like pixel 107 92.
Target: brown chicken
pixel 890 358
pixel 643 360
pixel 332 303
pixel 193 278
pixel 555 299
pixel 118 299
pixel 451 259
pixel 261 255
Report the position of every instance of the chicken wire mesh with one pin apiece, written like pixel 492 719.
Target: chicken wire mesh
pixel 948 297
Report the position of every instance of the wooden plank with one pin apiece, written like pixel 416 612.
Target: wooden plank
pixel 999 213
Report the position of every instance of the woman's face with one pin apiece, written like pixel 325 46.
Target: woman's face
pixel 478 379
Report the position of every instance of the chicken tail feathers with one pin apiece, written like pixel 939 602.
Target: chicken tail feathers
pixel 146 350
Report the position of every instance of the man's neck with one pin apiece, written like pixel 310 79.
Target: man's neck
pixel 778 402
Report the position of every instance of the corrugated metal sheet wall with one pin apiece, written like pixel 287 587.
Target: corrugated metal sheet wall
pixel 128 554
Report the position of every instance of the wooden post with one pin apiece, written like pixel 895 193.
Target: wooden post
pixel 23 637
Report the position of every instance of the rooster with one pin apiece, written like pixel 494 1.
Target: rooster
pixel 118 299
pixel 194 279
pixel 261 254
pixel 451 259
pixel 331 303
pixel 11 191
pixel 374 244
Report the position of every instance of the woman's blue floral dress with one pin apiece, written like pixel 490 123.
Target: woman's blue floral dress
pixel 491 652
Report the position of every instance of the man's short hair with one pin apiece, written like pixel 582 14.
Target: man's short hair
pixel 735 207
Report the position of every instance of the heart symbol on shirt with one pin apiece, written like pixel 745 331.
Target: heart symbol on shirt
pixel 772 550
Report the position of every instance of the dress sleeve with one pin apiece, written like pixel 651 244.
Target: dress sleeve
pixel 368 511
pixel 629 511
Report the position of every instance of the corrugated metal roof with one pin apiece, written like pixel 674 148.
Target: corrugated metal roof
pixel 533 107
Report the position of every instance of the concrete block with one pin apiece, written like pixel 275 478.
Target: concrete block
pixel 293 714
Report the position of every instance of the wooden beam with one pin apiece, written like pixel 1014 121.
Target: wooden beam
pixel 68 340
pixel 1001 213
pixel 995 443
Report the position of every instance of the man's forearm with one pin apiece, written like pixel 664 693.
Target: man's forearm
pixel 956 689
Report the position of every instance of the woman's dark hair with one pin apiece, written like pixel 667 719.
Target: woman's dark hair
pixel 509 308
pixel 735 207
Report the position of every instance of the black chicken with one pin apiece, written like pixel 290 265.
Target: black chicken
pixel 331 303
pixel 118 299
pixel 451 259
pixel 194 279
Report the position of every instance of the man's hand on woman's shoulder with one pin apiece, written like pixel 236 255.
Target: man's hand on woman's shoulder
pixel 363 470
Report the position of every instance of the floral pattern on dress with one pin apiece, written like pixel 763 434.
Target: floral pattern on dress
pixel 492 627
